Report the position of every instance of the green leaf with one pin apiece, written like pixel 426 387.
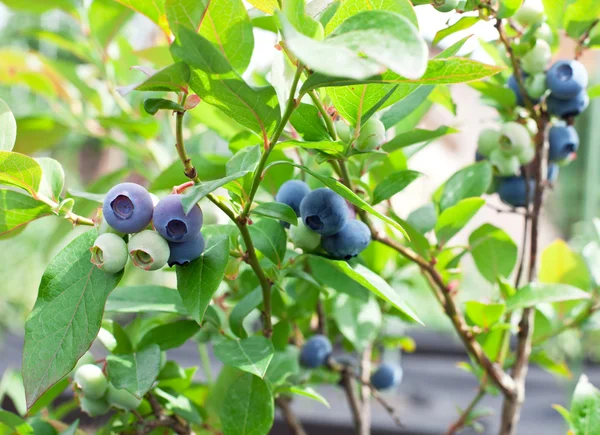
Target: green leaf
pixel 145 298
pixel 181 405
pixel 277 210
pixel 66 317
pixel 495 253
pixel 545 361
pixel 106 18
pixel 267 6
pixel 462 24
pixel 244 307
pixel 21 171
pixel 153 105
pixel 153 9
pixel 309 124
pixel 200 279
pixel 536 293
pixel 585 408
pixel 484 315
pixel 508 8
pixel 306 391
pixel 17 210
pixel 252 354
pixel 194 194
pixel 329 275
pixel 416 136
pixel 270 239
pixel 283 365
pixel 349 8
pixel 580 16
pixel 395 183
pixel 423 219
pixel 474 180
pixel 594 91
pixel 135 372
pixel 359 322
pixel 245 160
pixel 406 106
pixel 453 219
pixel 53 178
pixel 362 46
pixel 40 7
pixel 186 14
pixel 169 335
pixel 563 266
pixel 295 12
pixel 38 132
pixel 248 407
pixel 217 83
pixel 555 12
pixel 173 78
pixel 8 127
pixel 326 146
pixel 15 424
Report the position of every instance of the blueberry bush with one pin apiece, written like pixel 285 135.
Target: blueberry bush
pixel 286 255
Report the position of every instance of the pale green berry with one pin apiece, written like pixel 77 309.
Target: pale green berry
pixel 526 155
pixel 507 165
pixel 445 5
pixel 109 253
pixel 344 131
pixel 372 134
pixel 513 138
pixel 489 140
pixel 545 32
pixel 93 407
pixel 104 228
pixel 121 398
pixel 531 13
pixel 303 237
pixel 535 85
pixel 91 380
pixel 536 60
pixel 148 250
pixel 87 358
pixel 531 127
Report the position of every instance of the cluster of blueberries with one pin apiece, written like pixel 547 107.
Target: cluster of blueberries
pixel 97 395
pixel 317 351
pixel 128 208
pixel 327 221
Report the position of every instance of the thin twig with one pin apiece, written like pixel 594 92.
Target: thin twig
pixel 583 39
pixel 365 391
pixel 349 388
pixel 290 418
pixel 464 416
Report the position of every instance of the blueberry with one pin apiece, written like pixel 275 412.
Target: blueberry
pixel 94 407
pixel 128 208
pixel 386 376
pixel 506 164
pixel 553 171
pixel 526 155
pixel 536 59
pixel 292 193
pixel 372 134
pixel 535 86
pixel 304 238
pixel 567 78
pixel 512 191
pixel 185 252
pixel 315 351
pixel 121 398
pixel 489 140
pixel 514 86
pixel 148 250
pixel 350 241
pixel 545 32
pixel 172 223
pixel 344 131
pixel 324 211
pixel 567 108
pixel 514 137
pixel 91 380
pixel 479 157
pixel 109 253
pixel 531 13
pixel 563 141
pixel 445 5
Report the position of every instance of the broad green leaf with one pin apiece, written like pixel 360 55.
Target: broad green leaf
pixel 38 132
pixel 15 424
pixel 365 44
pixel 153 105
pixel 439 72
pixel 563 266
pixel 580 16
pixel 66 317
pixel 565 414
pixel 135 372
pixel 484 315
pixel 53 178
pixel 21 171
pixel 346 193
pixel 17 210
pixel 114 338
pixel 106 18
pixel 194 194
pixel 270 239
pixel 548 363
pixel 248 407
pixel 416 136
pixel 283 365
pixel 309 123
pixel 198 280
pixel 508 8
pixel 329 275
pixel 306 391
pixel 468 182
pixel 40 7
pixel 496 95
pixel 181 405
pixel 453 219
pixel 252 354
pixel 349 8
pixel 536 293
pixel 461 24
pixel 406 106
pixel 594 91
pixel 169 335
pixel 495 253
pixel 393 184
pixel 173 78
pixel 8 127
pixel 245 160
pixel 145 298
pixel 267 6
pixel 591 255
pixel 585 408
pixel 555 12
pixel 244 307
pixel 153 9
pixel 424 218
pixel 326 146
pixel 295 12
pixel 359 322
pixel 186 14
pixel 277 210
pixel 217 83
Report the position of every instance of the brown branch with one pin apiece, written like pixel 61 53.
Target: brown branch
pixel 290 418
pixel 583 39
pixel 348 385
pixel 365 391
pixel 464 416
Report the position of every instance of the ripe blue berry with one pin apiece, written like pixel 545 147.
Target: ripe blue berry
pixel 172 223
pixel 91 380
pixel 350 241
pixel 109 253
pixel 128 208
pixel 292 193
pixel 567 108
pixel 185 252
pixel 386 376
pixel 148 250
pixel 567 78
pixel 512 191
pixel 563 141
pixel 315 351
pixel 324 211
